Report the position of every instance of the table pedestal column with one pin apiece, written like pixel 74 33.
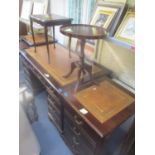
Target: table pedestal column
pixel 82 66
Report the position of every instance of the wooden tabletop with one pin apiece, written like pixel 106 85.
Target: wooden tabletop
pixel 50 19
pixel 82 31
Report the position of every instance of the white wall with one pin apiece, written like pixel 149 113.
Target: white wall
pixel 59 7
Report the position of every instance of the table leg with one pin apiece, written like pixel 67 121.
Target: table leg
pixel 69 46
pixel 73 66
pixel 54 35
pixel 46 37
pixel 31 24
pixel 82 57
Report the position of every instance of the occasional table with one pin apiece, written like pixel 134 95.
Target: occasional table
pixel 48 21
pixel 82 32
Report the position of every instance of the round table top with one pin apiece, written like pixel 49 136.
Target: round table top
pixel 82 31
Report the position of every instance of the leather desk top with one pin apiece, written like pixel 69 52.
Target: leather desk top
pixel 60 63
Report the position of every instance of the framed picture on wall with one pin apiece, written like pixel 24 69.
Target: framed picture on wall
pixel 126 30
pixel 103 16
pixel 108 15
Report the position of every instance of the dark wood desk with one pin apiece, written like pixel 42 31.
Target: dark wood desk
pixel 47 21
pixel 83 133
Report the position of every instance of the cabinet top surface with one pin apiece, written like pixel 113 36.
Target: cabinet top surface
pixel 82 31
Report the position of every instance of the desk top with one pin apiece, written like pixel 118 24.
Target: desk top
pixel 82 31
pixel 50 19
pixel 60 63
pixel 104 100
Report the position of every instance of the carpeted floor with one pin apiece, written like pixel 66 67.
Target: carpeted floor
pixel 48 136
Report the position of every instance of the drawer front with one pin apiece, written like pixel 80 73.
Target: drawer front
pixel 89 136
pixel 55 119
pixel 76 142
pixel 54 96
pixel 25 63
pixel 28 67
pixel 55 113
pixel 53 105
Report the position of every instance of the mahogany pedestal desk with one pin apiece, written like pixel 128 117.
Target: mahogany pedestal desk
pixel 86 118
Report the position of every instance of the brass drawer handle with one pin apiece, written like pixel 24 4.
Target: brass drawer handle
pixel 75 131
pixel 78 122
pixel 75 141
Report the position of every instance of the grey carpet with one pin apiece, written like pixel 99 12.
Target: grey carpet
pixel 48 136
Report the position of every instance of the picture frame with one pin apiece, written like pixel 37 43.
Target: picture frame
pixel 103 16
pixel 126 30
pixel 115 20
pixel 112 23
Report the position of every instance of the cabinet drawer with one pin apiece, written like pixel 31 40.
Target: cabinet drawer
pixel 53 105
pixel 53 96
pixel 86 132
pixel 76 142
pixel 26 71
pixel 25 63
pixel 54 118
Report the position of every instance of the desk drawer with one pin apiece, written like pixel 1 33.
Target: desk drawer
pixel 55 118
pixel 53 96
pixel 81 129
pixel 54 106
pixel 76 142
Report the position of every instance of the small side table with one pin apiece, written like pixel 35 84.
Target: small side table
pixel 48 21
pixel 82 32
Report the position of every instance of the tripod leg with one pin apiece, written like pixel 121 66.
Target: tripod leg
pixel 73 66
pixel 78 81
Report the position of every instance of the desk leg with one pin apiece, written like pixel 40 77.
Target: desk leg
pixel 54 35
pixel 31 23
pixel 46 37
